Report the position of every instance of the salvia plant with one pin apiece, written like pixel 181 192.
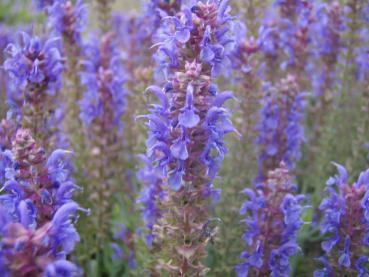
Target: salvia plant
pixel 101 109
pixel 37 210
pixel 273 220
pixel 114 153
pixel 187 128
pixel 345 226
pixel 327 46
pixel 280 127
pixel 35 66
pixel 285 39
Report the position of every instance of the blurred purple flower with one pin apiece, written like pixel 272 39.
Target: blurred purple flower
pixel 37 224
pixel 67 19
pixel 327 41
pixel 187 126
pixel 273 220
pixel 35 64
pixel 345 224
pixel 103 78
pixel 280 128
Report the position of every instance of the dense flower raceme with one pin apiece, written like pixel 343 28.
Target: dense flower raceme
pixel 65 18
pixel 187 128
pixel 37 211
pixel 35 66
pixel 189 98
pixel 103 101
pixel 101 109
pixel 280 126
pixel 245 49
pixel 137 33
pixel 273 220
pixel 175 32
pixel 346 226
pixel 327 43
pixel 285 37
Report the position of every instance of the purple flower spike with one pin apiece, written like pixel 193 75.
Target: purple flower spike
pixel 345 224
pixel 37 211
pixel 187 127
pixel 280 128
pixel 103 102
pixel 67 19
pixel 328 44
pixel 35 67
pixel 36 64
pixel 101 111
pixel 273 221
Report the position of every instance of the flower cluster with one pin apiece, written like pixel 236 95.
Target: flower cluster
pixel 37 211
pixel 175 32
pixel 103 102
pixel 346 226
pixel 245 50
pixel 272 224
pixel 101 110
pixel 35 67
pixel 138 33
pixel 327 44
pixel 280 128
pixel 187 127
pixel 285 37
pixel 67 19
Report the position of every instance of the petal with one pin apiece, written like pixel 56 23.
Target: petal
pixel 182 35
pixel 175 181
pixel 272 149
pixel 158 92
pixel 207 54
pixel 221 98
pixel 342 173
pixel 188 118
pixel 179 149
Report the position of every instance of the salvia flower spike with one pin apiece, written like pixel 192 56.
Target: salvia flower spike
pixel 280 127
pixel 37 211
pixel 273 221
pixel 345 225
pixel 187 128
pixel 35 66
